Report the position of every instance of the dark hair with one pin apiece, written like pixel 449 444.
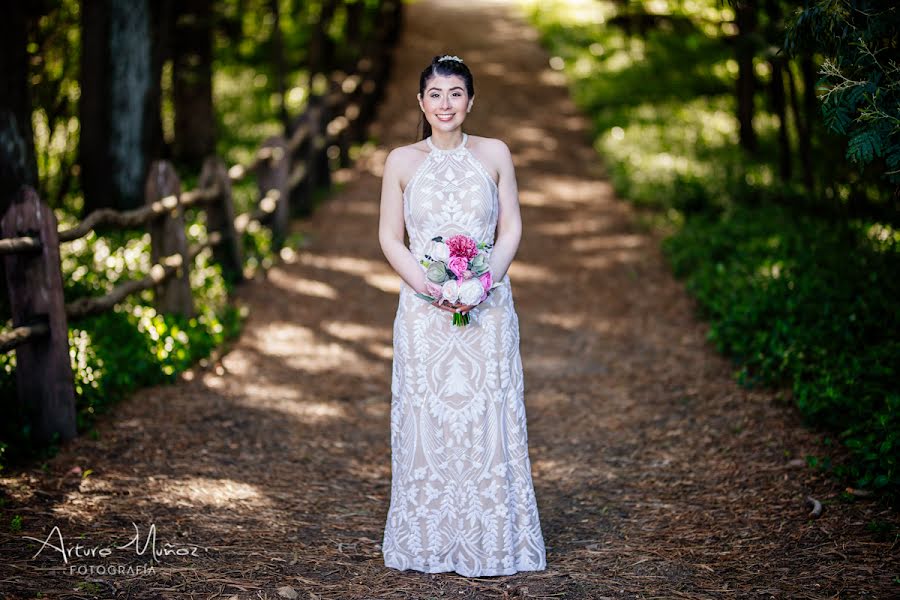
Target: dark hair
pixel 443 67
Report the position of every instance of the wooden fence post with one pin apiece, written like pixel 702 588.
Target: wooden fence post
pixel 301 192
pixel 168 237
pixel 272 178
pixel 220 218
pixel 46 391
pixel 317 160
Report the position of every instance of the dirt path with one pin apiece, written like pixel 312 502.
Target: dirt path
pixel 656 476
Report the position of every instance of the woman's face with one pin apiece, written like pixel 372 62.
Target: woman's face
pixel 445 102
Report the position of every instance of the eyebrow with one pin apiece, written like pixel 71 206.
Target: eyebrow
pixel 456 87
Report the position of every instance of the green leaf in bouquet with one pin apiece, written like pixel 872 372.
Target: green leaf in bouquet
pixel 425 297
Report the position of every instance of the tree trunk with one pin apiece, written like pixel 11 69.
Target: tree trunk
pixel 321 48
pixel 776 91
pixel 803 140
pixel 163 24
pixel 195 128
pixel 278 61
pixel 810 111
pixel 116 84
pixel 774 33
pixel 746 21
pixel 17 160
pixel 354 32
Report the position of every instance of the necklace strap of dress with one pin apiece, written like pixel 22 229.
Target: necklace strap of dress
pixel 461 145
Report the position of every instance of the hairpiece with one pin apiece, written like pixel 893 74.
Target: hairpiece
pixel 448 57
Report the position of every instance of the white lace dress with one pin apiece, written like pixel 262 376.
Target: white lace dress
pixel 462 497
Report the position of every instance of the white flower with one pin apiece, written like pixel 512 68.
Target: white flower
pixel 450 292
pixel 470 291
pixel 438 251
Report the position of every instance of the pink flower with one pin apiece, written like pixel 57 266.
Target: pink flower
pixel 486 280
pixel 458 264
pixel 462 245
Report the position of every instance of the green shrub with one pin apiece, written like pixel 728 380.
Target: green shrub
pixel 807 303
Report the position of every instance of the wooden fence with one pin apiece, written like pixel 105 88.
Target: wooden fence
pixel 287 170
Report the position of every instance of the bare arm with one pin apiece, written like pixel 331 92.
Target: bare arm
pixel 509 223
pixel 391 227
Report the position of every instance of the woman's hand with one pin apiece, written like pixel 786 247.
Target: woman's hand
pixel 460 308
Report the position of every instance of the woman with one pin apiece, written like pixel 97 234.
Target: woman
pixel 462 497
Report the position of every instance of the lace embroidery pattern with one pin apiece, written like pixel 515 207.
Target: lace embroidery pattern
pixel 462 496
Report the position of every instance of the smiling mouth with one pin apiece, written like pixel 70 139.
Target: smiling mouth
pixel 444 117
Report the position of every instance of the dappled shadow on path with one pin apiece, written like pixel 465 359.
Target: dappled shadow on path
pixel 655 474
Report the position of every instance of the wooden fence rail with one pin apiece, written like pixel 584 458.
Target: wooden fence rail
pixel 287 170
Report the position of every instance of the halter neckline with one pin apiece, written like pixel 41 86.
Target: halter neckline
pixel 436 149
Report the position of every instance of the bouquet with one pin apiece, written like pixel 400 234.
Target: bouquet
pixel 457 270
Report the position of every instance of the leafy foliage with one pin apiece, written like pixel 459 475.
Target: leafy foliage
pixel 860 84
pixel 810 304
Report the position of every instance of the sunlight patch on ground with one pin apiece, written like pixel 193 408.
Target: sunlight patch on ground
pixel 79 507
pixel 307 287
pixel 259 390
pixel 530 134
pixel 16 490
pixel 354 332
pixel 568 321
pixel 562 190
pixel 219 493
pixel 302 349
pixel 608 259
pixel 376 273
pixel 577 322
pixel 85 504
pixel 377 340
pixel 522 272
pixel 531 198
pixel 570 227
pixel 307 411
pixel 551 77
pixel 387 282
pixel 352 265
pixel 608 242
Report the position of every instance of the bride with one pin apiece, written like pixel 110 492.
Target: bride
pixel 462 497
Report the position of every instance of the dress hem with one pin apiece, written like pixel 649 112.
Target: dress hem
pixel 492 573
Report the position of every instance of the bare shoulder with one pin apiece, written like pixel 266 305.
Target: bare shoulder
pixel 493 153
pixel 403 161
pixel 402 154
pixel 494 147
